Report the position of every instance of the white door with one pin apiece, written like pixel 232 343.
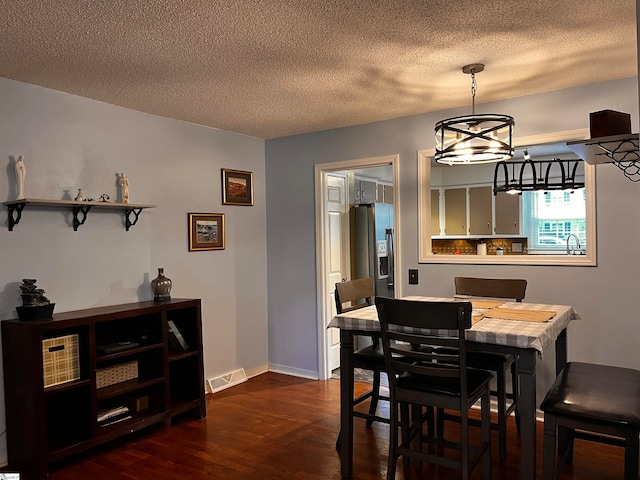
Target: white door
pixel 337 251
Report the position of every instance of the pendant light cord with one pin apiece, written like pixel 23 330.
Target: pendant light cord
pixel 474 87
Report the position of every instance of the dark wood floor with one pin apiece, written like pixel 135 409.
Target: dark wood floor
pixel 277 427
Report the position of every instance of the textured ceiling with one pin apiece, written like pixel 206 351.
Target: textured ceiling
pixel 271 68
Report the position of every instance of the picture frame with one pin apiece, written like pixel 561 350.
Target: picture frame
pixel 206 231
pixel 237 187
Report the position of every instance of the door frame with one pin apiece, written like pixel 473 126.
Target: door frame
pixel 321 294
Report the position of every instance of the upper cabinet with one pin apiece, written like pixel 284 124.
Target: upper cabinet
pixel 475 212
pixel 480 211
pixel 455 211
pixel 507 209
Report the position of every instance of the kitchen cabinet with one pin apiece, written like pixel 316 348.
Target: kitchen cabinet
pixel 385 193
pixel 365 191
pixel 455 211
pixel 507 208
pixel 480 210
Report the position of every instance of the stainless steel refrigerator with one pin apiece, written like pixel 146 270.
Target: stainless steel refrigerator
pixel 372 245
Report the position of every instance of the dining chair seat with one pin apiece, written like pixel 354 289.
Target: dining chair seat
pixel 594 402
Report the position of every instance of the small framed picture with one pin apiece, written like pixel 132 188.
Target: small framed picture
pixel 206 231
pixel 237 187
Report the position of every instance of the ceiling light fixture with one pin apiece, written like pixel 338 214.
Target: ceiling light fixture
pixel 555 174
pixel 473 139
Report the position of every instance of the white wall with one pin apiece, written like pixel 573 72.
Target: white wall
pixel 604 296
pixel 70 142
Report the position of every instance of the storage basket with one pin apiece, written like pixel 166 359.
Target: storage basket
pixel 60 360
pixel 116 374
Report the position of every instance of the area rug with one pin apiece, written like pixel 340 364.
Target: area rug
pixel 362 375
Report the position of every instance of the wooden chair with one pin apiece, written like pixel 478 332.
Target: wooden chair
pixel 592 402
pixel 424 376
pixel 358 294
pixel 498 363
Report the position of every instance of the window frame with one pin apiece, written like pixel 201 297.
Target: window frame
pixel 425 254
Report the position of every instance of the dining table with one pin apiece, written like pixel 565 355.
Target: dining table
pixel 527 331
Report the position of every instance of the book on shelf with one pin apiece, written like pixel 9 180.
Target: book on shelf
pixel 112 413
pixel 115 420
pixel 176 339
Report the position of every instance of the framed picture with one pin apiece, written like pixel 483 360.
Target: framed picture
pixel 237 187
pixel 206 231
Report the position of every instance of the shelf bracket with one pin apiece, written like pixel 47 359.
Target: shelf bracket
pixel 127 213
pixel 625 156
pixel 77 219
pixel 15 214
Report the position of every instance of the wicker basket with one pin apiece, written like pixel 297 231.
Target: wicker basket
pixel 116 374
pixel 60 360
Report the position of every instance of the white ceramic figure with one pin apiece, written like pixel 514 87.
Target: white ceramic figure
pixel 124 188
pixel 21 171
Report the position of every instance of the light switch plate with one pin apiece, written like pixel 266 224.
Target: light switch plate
pixel 516 247
pixel 413 277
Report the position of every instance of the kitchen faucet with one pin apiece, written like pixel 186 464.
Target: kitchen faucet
pixel 577 247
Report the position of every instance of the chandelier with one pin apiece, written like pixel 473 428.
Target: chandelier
pixel 473 139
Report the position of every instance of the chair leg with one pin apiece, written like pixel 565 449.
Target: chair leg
pixel 430 422
pixel 486 434
pixel 375 394
pixel 440 423
pixel 549 447
pixel 631 447
pixel 515 388
pixel 464 443
pixel 502 419
pixel 405 430
pixel 393 440
pixel 565 443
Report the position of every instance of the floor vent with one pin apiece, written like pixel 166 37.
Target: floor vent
pixel 227 380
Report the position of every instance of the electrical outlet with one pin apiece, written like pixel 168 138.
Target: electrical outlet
pixel 413 277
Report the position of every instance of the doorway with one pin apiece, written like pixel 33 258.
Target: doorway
pixel 338 186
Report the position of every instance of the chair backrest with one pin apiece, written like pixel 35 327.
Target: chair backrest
pixel 357 293
pixel 491 287
pixel 406 321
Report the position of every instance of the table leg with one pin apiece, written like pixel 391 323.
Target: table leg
pixel 527 409
pixel 565 434
pixel 346 403
pixel 561 351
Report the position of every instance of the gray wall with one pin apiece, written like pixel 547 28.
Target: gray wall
pixel 604 296
pixel 70 142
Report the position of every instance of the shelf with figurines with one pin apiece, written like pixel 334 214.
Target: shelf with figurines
pixel 80 206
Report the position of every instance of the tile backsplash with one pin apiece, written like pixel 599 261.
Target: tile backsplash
pixel 469 246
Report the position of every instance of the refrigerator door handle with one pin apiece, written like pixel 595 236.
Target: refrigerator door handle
pixel 390 277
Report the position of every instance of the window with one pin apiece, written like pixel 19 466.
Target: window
pixel 545 219
pixel 550 217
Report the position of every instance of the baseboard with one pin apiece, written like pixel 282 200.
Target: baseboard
pixel 293 371
pixel 254 372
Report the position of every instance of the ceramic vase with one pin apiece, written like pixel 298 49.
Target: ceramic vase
pixel 161 287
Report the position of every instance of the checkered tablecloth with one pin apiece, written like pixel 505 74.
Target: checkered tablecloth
pixel 514 333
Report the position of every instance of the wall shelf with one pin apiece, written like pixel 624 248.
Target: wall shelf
pixel 79 210
pixel 621 150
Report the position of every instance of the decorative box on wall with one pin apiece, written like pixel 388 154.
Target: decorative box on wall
pixel 60 378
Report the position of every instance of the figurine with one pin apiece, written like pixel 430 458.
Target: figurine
pixel 124 188
pixel 21 170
